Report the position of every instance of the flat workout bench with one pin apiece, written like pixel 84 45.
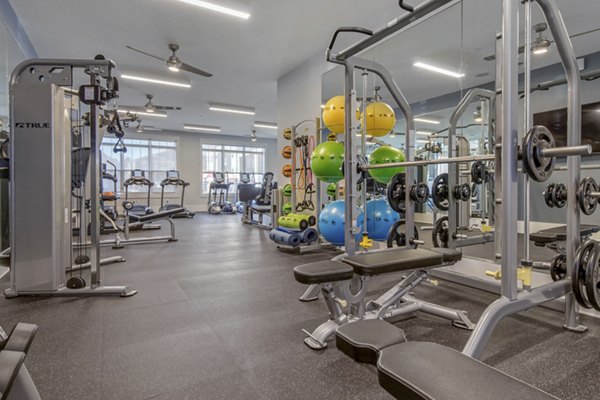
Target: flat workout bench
pixel 430 371
pixel 157 216
pixel 559 234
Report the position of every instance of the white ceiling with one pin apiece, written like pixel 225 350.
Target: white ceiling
pixel 245 56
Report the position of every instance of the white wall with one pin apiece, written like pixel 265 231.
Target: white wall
pixel 189 161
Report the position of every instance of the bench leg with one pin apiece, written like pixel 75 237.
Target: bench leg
pixel 317 340
pixel 311 293
pixel 395 294
pixel 459 318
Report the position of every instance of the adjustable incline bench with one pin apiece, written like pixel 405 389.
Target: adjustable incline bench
pixel 552 237
pixel 427 371
pixel 336 277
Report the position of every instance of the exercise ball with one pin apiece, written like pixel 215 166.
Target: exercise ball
pixel 334 114
pixel 287 133
pixel 331 190
pixel 286 170
pixel 287 208
pixel 286 152
pixel 380 119
pixel 331 223
pixel 326 161
pixel 380 218
pixel 384 155
pixel 287 190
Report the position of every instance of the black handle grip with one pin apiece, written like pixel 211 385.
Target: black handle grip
pixel 354 29
pixel 406 6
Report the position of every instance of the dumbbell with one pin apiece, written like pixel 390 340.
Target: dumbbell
pixel 462 192
pixel 555 195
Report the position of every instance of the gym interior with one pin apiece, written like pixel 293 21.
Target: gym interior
pixel 342 199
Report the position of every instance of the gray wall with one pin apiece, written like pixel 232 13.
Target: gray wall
pixel 189 161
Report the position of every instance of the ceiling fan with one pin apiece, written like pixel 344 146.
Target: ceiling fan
pixel 141 128
pixel 174 62
pixel 150 107
pixel 252 136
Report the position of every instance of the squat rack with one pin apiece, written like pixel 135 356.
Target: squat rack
pixel 506 157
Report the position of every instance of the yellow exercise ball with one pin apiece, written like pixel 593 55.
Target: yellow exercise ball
pixel 287 133
pixel 334 114
pixel 380 119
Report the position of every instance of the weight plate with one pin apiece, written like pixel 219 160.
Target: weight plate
pixel 592 278
pixel 548 193
pixel 81 259
pixel 462 192
pixel 440 191
pixel 538 167
pixel 76 282
pixel 419 192
pixel 587 203
pixel 478 172
pixel 441 233
pixel 559 195
pixel 396 193
pixel 582 258
pixel 558 267
pixel 397 236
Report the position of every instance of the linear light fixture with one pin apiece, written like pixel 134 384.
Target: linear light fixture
pixel 268 125
pixel 217 8
pixel 423 133
pixel 154 114
pixel 439 70
pixel 204 128
pixel 231 108
pixel 158 81
pixel 427 121
pixel 422 141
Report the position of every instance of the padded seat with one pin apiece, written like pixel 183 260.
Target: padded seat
pixel 429 371
pixel 402 259
pixel 259 208
pixel 363 340
pixel 559 234
pixel 323 272
pixel 157 216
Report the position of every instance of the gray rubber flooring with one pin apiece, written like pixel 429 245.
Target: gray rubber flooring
pixel 217 317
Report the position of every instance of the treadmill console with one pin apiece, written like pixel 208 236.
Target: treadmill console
pixel 244 177
pixel 173 174
pixel 218 177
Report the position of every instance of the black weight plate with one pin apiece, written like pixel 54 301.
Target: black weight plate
pixel 548 194
pixel 592 279
pixel 558 267
pixel 441 233
pixel 76 282
pixel 559 195
pixel 397 237
pixel 582 257
pixel 396 193
pixel 478 172
pixel 538 167
pixel 587 203
pixel 81 259
pixel 440 192
pixel 419 192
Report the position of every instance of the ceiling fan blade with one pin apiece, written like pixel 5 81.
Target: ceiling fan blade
pixel 194 70
pixel 146 54
pixel 168 108
pixel 493 56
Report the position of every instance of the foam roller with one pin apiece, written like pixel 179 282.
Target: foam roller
pixel 310 235
pixel 292 221
pixel 287 238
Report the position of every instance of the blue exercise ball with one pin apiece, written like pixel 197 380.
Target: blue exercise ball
pixel 331 222
pixel 380 218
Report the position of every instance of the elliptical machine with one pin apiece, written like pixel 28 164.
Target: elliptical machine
pixel 173 179
pixel 218 192
pixel 138 177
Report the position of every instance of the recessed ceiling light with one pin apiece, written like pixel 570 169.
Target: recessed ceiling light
pixel 202 128
pixel 158 81
pixel 439 70
pixel 154 114
pixel 427 121
pixel 217 8
pixel 231 108
pixel 268 125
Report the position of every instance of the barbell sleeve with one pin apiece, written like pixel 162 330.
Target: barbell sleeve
pixel 583 150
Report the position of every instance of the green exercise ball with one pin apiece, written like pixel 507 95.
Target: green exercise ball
pixel 287 208
pixel 383 155
pixel 287 190
pixel 331 190
pixel 326 161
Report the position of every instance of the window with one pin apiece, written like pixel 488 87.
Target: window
pixel 154 157
pixel 231 160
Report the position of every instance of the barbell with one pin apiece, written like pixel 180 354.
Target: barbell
pixel 555 195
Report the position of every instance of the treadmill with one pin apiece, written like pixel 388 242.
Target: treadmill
pixel 173 179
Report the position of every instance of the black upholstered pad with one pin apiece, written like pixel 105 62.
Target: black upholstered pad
pixel 261 209
pixel 401 259
pixel 21 337
pixel 449 255
pixel 323 272
pixel 429 371
pixel 559 234
pixel 10 365
pixel 158 215
pixel 363 340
